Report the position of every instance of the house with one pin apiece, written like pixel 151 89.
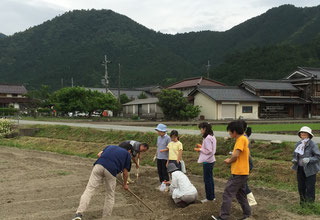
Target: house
pixel 130 93
pixel 307 79
pixel 189 84
pixel 144 108
pixel 282 99
pixel 13 95
pixel 225 102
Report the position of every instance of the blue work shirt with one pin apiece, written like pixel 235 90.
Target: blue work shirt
pixel 115 159
pixel 162 143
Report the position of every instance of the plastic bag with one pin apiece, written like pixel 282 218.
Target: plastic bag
pixel 163 187
pixel 183 166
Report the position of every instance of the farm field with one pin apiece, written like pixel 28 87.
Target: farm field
pixel 43 177
pixel 41 185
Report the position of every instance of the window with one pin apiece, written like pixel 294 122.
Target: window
pixel 246 109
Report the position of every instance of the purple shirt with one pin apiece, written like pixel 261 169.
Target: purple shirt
pixel 208 150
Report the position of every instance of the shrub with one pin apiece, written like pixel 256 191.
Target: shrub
pixel 5 127
pixel 8 111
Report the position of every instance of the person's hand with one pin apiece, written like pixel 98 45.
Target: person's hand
pixel 199 145
pixel 294 161
pixel 163 150
pixel 227 161
pixel 305 160
pixel 178 161
pixel 154 158
pixel 197 149
pixel 125 186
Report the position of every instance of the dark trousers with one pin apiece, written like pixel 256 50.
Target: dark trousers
pixel 162 170
pixel 235 187
pixel 178 165
pixel 208 180
pixel 306 186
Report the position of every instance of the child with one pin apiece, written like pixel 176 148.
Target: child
pixel 175 149
pixel 252 201
pixel 162 157
pixel 183 192
pixel 305 161
pixel 236 184
pixel 207 158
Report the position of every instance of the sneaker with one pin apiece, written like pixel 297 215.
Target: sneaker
pixel 216 218
pixel 78 216
pixel 206 200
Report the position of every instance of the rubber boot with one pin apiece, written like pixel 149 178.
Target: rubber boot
pixel 251 200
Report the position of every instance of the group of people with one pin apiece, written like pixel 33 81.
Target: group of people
pixel 115 159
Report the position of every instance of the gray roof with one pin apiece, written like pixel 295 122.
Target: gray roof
pixel 228 93
pixel 310 71
pixel 286 100
pixel 143 101
pixel 131 93
pixel 269 85
pixel 12 89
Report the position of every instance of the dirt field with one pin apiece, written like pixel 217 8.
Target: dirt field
pixel 40 185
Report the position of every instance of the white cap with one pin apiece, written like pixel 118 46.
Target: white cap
pixel 306 130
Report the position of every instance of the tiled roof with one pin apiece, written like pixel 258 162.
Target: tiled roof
pixel 143 101
pixel 193 82
pixel 228 93
pixel 12 89
pixel 131 93
pixel 310 71
pixel 269 85
pixel 285 100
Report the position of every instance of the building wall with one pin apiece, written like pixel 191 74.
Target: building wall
pixel 208 107
pixel 239 108
pixel 148 111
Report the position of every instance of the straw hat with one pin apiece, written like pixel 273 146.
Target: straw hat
pixel 306 130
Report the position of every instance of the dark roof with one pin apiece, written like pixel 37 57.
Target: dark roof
pixel 131 93
pixel 228 93
pixel 195 81
pixel 286 100
pixel 12 89
pixel 257 84
pixel 306 72
pixel 14 100
pixel 143 101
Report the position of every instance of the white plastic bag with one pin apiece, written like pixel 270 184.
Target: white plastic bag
pixel 183 166
pixel 163 187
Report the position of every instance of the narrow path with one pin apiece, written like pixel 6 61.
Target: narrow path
pixel 256 136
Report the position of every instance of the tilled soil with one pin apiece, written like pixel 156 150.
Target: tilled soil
pixel 40 185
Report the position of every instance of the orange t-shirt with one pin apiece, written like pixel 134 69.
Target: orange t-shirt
pixel 241 165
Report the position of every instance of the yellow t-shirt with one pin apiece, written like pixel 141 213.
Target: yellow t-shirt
pixel 241 165
pixel 174 148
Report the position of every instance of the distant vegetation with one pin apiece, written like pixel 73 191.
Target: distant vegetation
pixel 73 45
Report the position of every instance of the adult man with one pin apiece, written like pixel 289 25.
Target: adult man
pixel 112 160
pixel 136 147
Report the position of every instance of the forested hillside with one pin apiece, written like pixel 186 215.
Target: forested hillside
pixel 74 44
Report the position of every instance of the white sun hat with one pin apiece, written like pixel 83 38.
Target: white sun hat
pixel 306 130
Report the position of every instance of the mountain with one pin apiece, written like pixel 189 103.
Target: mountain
pixel 74 44
pixel 2 35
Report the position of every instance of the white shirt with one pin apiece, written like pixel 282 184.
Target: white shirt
pixel 181 185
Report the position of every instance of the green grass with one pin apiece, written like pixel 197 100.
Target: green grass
pixel 260 127
pixel 306 209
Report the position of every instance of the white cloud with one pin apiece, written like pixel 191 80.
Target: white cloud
pixel 161 15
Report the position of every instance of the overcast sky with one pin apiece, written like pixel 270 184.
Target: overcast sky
pixel 167 16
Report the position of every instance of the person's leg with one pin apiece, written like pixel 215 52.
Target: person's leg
pixel 159 166
pixel 229 193
pixel 208 181
pixel 310 188
pixel 110 190
pixel 301 177
pixel 164 170
pixel 96 178
pixel 247 190
pixel 242 197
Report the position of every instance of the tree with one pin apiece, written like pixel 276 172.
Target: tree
pixel 124 99
pixel 79 99
pixel 175 106
pixel 40 96
pixel 142 96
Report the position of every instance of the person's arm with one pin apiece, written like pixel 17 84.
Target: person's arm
pixel 135 161
pixel 125 179
pixel 206 147
pixel 234 157
pixel 316 154
pixel 99 154
pixel 164 150
pixel 179 156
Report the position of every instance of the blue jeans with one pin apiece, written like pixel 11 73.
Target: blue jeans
pixel 208 180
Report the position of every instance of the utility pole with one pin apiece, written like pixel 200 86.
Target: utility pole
pixel 208 69
pixel 72 82
pixel 61 82
pixel 119 82
pixel 106 77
